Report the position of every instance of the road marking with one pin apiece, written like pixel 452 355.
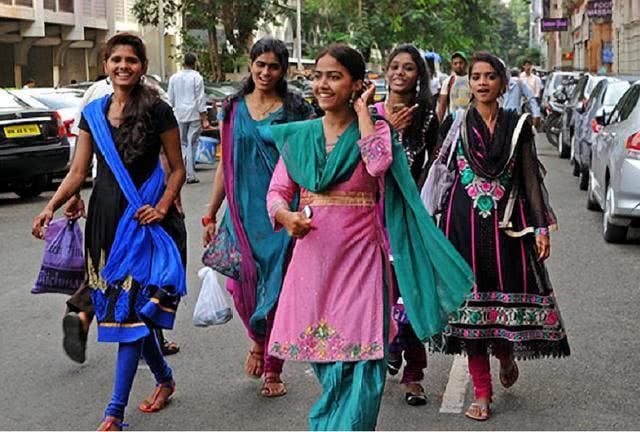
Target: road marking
pixel 454 394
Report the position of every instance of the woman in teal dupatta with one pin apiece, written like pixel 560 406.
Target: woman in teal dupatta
pixel 243 177
pixel 363 231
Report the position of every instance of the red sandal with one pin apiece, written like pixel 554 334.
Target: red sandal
pixel 155 405
pixel 110 423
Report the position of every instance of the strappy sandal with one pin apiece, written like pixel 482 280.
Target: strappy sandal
pixel 415 397
pixel 110 423
pixel 268 392
pixel 257 357
pixel 509 375
pixel 479 411
pixel 156 404
pixel 170 348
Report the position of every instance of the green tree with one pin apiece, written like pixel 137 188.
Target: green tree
pixel 238 19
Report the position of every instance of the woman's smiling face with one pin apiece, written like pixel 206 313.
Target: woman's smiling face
pixel 333 85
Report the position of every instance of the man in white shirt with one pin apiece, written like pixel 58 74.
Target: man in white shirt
pixel 455 92
pixel 532 80
pixel 186 95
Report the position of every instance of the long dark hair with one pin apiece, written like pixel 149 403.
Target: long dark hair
pixel 350 58
pixel 136 115
pixel 415 138
pixel 497 64
pixel 291 102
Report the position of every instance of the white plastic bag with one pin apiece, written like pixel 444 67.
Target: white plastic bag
pixel 211 307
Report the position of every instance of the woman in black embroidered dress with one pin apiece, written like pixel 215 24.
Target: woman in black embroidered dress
pixel 498 217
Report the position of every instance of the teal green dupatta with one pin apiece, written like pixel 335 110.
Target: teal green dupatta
pixel 432 277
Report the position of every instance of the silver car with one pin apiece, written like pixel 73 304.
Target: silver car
pixel 614 173
pixel 602 101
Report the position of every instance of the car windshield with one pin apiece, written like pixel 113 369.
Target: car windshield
pixel 58 100
pixel 9 101
pixel 615 92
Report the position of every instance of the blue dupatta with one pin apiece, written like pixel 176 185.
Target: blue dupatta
pixel 145 252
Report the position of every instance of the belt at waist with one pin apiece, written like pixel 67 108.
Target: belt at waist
pixel 338 198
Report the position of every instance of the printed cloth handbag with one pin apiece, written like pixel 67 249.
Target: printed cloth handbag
pixel 222 254
pixel 206 152
pixel 62 269
pixel 440 178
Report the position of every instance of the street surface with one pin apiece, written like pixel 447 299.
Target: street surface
pixel 596 388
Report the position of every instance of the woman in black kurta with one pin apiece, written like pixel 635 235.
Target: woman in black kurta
pixel 137 124
pixel 498 217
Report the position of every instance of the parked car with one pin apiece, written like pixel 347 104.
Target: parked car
pixel 557 92
pixel 603 99
pixel 33 146
pixel 614 172
pixel 573 109
pixel 64 101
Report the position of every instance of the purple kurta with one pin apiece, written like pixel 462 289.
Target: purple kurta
pixel 331 304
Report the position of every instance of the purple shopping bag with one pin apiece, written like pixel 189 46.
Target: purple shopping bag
pixel 62 269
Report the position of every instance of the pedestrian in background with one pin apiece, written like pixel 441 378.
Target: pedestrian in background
pixel 455 93
pixel 409 110
pixel 354 185
pixel 135 238
pixel 186 96
pixel 532 80
pixel 498 217
pixel 243 178
pixel 517 90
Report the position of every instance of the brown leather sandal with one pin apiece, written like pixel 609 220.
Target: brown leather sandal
pixel 269 392
pixel 156 404
pixel 254 364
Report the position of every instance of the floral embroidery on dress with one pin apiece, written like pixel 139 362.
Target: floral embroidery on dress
pixel 506 316
pixel 372 148
pixel 323 342
pixel 484 193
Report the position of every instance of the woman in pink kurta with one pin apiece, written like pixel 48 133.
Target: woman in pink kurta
pixel 339 264
pixel 343 189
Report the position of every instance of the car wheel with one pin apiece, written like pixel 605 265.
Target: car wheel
pixel 612 233
pixel 583 182
pixel 576 168
pixel 592 204
pixel 563 150
pixel 31 188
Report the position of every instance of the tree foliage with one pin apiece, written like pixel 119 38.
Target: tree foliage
pixel 238 19
pixel 443 26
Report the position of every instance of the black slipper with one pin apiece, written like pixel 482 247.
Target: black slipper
pixel 393 366
pixel 416 398
pixel 75 340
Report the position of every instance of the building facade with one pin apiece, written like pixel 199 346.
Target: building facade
pixel 57 41
pixel 626 36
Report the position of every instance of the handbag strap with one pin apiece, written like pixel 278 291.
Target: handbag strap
pixel 451 139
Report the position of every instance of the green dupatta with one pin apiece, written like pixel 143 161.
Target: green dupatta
pixel 432 277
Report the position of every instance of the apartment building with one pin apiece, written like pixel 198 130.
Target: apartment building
pixel 56 41
pixel 626 36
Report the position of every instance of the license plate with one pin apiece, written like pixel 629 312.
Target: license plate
pixel 21 131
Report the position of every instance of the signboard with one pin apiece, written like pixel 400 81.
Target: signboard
pixel 599 8
pixel 554 24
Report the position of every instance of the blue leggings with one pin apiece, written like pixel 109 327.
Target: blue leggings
pixel 127 365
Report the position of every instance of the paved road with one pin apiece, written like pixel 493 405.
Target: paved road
pixel 596 388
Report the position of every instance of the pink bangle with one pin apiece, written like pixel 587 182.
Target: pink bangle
pixel 542 231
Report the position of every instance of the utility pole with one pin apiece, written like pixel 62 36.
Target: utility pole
pixel 161 30
pixel 299 33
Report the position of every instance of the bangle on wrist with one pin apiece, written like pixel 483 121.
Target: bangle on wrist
pixel 206 220
pixel 542 231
